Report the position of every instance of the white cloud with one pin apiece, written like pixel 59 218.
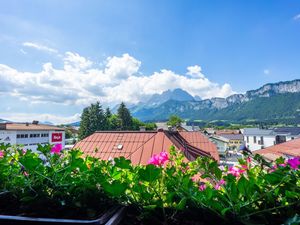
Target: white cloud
pixel 266 71
pixel 297 17
pixel 80 82
pixel 29 117
pixel 195 71
pixel 39 47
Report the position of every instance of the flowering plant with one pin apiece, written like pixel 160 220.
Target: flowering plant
pixel 169 190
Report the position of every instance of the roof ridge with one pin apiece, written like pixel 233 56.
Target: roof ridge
pixel 141 145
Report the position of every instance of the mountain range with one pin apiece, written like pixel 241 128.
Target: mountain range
pixel 273 101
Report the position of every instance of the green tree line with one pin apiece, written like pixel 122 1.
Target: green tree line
pixel 94 118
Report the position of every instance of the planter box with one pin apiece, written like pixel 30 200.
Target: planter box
pixel 110 217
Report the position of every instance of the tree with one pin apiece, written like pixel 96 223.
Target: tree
pixel 84 129
pixel 92 119
pixel 174 121
pixel 107 116
pixel 125 117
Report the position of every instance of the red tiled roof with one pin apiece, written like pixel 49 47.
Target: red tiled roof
pixel 140 146
pixel 289 148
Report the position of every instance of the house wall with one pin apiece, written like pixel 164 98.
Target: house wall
pixel 7 137
pixel 31 139
pixel 221 146
pixel 267 142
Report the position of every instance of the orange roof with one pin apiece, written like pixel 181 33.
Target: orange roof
pixel 28 126
pixel 289 148
pixel 139 147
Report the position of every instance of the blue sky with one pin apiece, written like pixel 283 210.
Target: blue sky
pixel 231 46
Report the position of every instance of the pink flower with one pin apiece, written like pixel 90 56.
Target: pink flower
pixel 24 151
pixel 245 167
pixel 235 171
pixel 202 187
pixel 163 157
pixel 159 160
pixel 294 163
pixel 26 174
pixel 248 160
pixel 56 149
pixel 222 182
pixel 282 164
pixel 154 160
pixel 1 154
pixel 219 184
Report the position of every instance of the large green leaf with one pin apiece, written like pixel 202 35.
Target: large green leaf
pixel 150 173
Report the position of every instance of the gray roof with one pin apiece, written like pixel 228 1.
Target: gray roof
pixel 288 130
pixel 258 132
pixel 233 136
pixel 190 128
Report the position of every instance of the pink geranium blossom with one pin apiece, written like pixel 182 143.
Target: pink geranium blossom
pixel 248 160
pixel 56 149
pixel 163 157
pixel 294 163
pixel 1 154
pixel 202 187
pixel 219 184
pixel 160 159
pixel 154 160
pixel 235 171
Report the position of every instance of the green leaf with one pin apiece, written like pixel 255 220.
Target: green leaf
pixel 122 163
pixel 274 178
pixel 150 173
pixel 181 205
pixel 116 188
pixel 224 211
pixel 242 185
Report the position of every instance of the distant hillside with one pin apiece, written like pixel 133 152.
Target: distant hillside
pixel 4 121
pixel 278 101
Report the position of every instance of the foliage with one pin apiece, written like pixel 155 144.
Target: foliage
pixel 253 192
pixel 94 119
pixel 174 121
pixel 125 117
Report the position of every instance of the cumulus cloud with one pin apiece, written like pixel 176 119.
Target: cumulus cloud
pixel 28 117
pixel 194 71
pixel 80 82
pixel 39 47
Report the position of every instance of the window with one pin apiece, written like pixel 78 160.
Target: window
pixel 292 138
pixel 261 140
pixel 254 139
pixel 247 139
pixel 18 136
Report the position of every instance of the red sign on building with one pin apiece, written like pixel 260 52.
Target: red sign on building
pixel 56 137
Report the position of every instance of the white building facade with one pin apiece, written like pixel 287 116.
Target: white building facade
pixel 256 138
pixel 30 135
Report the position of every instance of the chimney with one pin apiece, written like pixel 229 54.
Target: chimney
pixel 36 122
pixel 142 128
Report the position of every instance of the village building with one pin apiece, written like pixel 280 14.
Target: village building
pixel 256 138
pixel 289 149
pixel 235 141
pixel 221 143
pixel 140 146
pixel 31 134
